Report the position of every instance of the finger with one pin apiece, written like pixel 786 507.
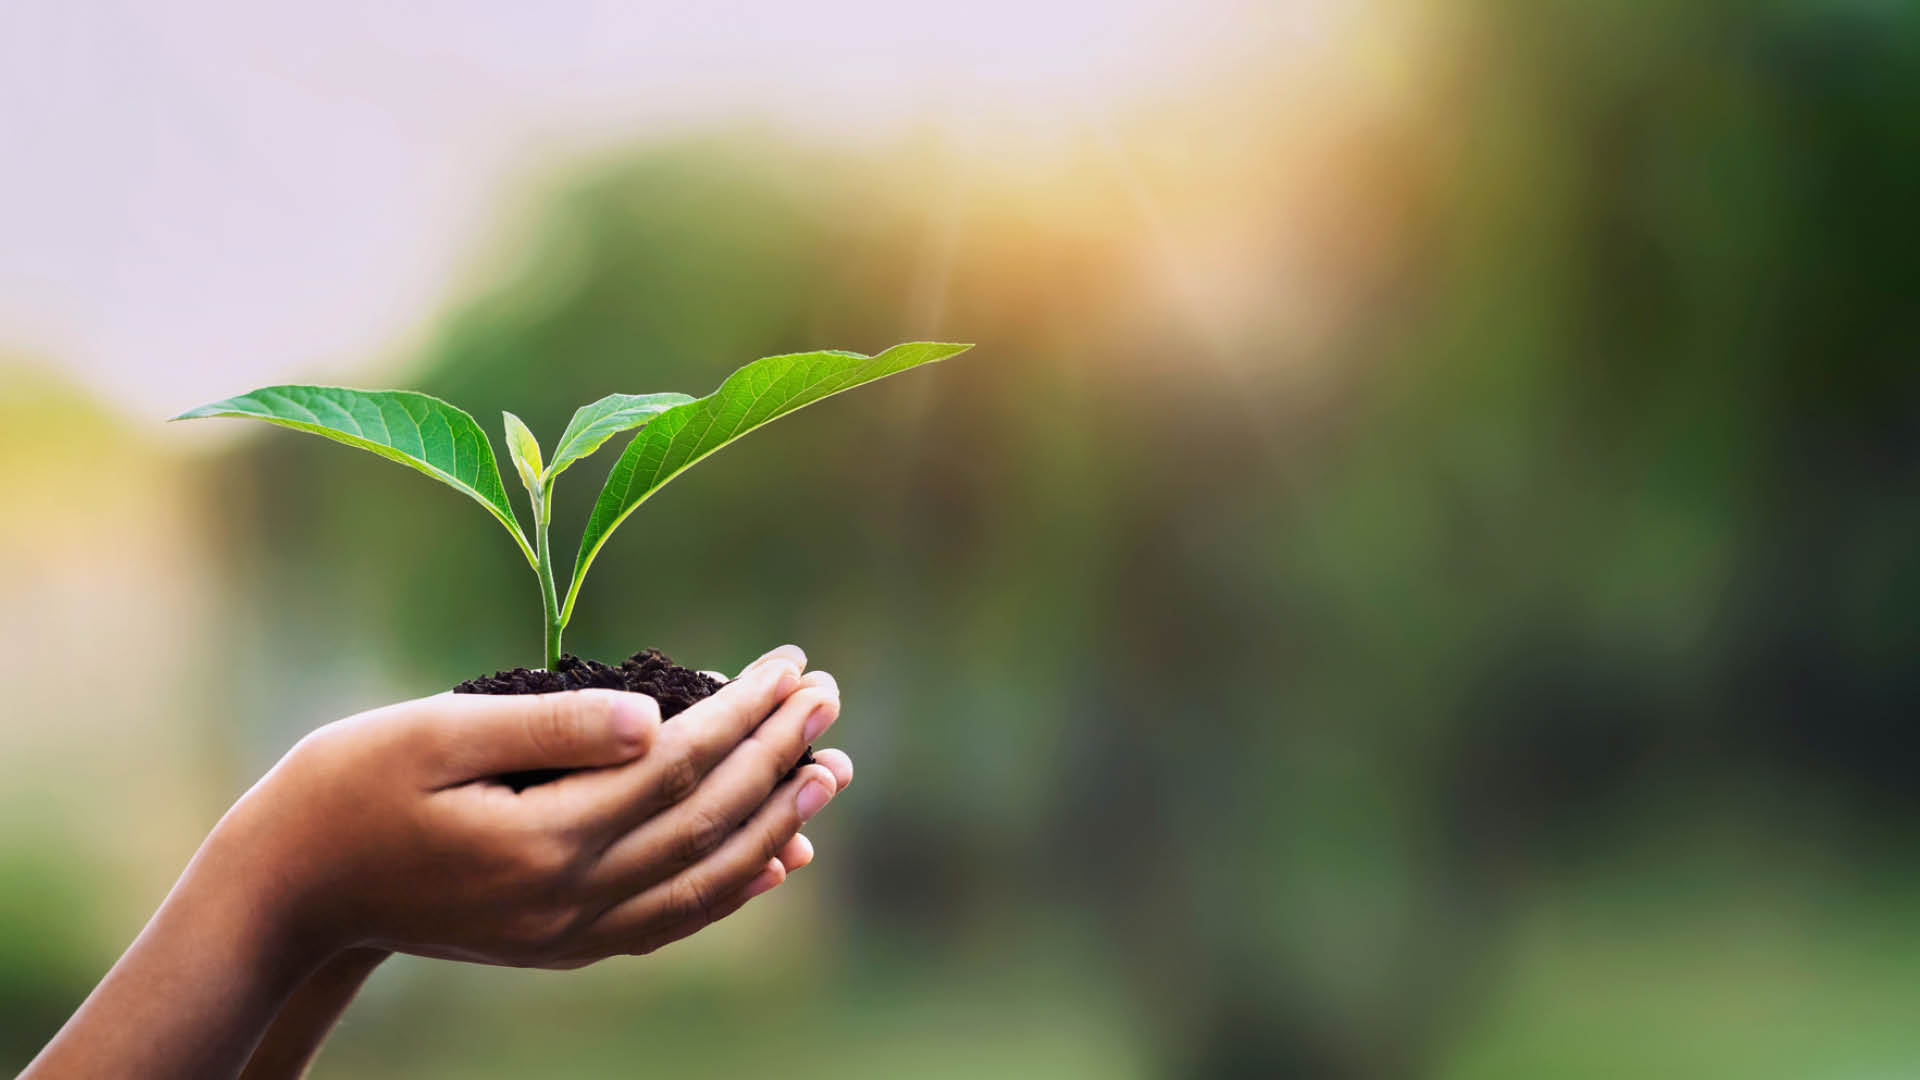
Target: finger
pixel 689 831
pixel 469 736
pixel 704 892
pixel 713 726
pixel 774 874
pixel 793 654
pixel 765 881
pixel 780 652
pixel 797 853
pixel 837 763
pixel 577 800
pixel 685 750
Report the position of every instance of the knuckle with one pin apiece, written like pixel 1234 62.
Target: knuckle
pixel 649 730
pixel 765 690
pixel 317 745
pixel 538 934
pixel 679 774
pixel 342 746
pixel 541 860
pixel 811 698
pixel 376 729
pixel 689 900
pixel 768 842
pixel 703 832
pixel 556 727
pixel 815 695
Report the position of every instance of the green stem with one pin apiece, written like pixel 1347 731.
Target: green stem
pixel 549 599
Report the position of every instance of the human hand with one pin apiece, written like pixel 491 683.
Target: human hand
pixel 302 1023
pixel 386 829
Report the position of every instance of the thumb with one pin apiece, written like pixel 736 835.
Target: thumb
pixel 486 735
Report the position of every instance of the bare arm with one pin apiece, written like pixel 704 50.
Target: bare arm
pixel 291 1044
pixel 195 989
pixel 385 832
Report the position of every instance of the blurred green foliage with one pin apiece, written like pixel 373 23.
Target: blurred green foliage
pixel 1525 693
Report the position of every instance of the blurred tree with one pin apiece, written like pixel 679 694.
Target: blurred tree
pixel 1284 696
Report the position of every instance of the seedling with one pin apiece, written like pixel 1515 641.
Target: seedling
pixel 676 431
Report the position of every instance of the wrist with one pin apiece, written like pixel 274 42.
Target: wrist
pixel 254 871
pixel 290 1044
pixel 237 889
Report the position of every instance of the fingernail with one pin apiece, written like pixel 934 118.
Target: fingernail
pixel 765 881
pixel 811 798
pixel 820 720
pixel 629 718
pixel 792 654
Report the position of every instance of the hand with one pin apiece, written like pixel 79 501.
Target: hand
pixel 388 831
pixel 799 851
pixel 302 1024
pixel 398 836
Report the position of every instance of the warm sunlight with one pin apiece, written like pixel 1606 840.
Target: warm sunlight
pixel 167 238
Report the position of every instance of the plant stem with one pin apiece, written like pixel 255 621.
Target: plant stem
pixel 548 598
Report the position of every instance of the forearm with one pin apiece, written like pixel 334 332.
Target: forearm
pixel 389 827
pixel 196 990
pixel 293 1040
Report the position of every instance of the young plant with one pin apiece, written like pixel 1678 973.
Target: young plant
pixel 676 431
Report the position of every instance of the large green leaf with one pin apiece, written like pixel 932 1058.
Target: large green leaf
pixel 416 430
pixel 757 393
pixel 594 424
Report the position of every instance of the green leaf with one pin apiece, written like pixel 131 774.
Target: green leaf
pixel 524 449
pixel 757 393
pixel 413 429
pixel 594 424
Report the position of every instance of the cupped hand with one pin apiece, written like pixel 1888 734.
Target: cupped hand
pixel 391 828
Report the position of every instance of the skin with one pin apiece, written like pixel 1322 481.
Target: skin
pixel 388 832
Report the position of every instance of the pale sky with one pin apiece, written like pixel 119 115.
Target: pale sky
pixel 203 195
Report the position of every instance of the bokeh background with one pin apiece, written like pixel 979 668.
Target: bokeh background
pixel 1416 579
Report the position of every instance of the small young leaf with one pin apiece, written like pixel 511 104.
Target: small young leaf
pixel 757 393
pixel 594 424
pixel 524 449
pixel 413 429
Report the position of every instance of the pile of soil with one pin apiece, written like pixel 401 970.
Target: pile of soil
pixel 648 672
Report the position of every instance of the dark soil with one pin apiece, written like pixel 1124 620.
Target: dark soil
pixel 648 672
